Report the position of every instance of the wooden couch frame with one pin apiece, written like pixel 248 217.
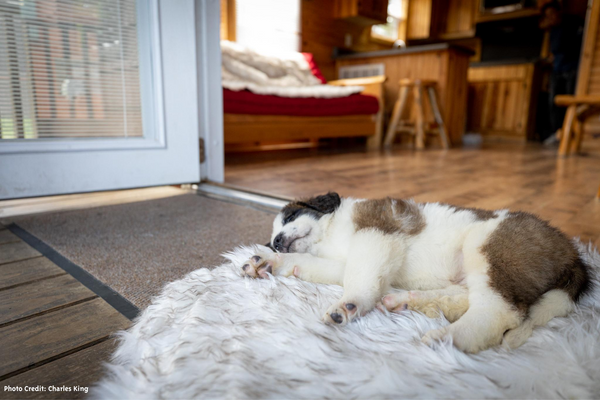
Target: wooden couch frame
pixel 586 101
pixel 240 129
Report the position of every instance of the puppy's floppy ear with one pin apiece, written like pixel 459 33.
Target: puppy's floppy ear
pixel 326 203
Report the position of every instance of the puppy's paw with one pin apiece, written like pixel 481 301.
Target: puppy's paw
pixel 414 300
pixel 464 338
pixel 397 302
pixel 434 335
pixel 341 313
pixel 261 265
pixel 516 337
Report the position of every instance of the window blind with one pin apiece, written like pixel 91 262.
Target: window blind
pixel 268 25
pixel 69 69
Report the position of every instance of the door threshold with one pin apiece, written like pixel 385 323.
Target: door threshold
pixel 240 196
pixel 78 201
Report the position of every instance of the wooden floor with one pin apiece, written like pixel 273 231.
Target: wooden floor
pixel 515 176
pixel 54 332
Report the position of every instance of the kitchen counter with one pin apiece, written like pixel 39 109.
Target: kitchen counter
pixel 443 63
pixel 496 63
pixel 403 51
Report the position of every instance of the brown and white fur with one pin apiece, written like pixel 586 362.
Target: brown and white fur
pixel 495 275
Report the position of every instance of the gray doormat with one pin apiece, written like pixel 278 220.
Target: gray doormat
pixel 137 248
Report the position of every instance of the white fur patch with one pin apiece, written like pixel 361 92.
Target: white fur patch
pixel 214 334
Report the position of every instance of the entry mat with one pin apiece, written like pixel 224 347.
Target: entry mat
pixel 137 248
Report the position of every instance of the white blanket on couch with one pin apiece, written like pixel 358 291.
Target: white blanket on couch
pixel 217 335
pixel 286 75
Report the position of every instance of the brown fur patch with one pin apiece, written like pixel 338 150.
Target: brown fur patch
pixel 389 216
pixel 480 214
pixel 528 257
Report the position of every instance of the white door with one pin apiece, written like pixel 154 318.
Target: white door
pixel 106 94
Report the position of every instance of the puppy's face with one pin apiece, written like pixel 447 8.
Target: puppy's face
pixel 296 228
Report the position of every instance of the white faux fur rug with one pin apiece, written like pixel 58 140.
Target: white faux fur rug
pixel 215 334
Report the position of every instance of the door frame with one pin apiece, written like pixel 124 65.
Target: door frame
pixel 210 90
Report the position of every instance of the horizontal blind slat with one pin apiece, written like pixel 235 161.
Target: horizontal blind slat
pixel 69 69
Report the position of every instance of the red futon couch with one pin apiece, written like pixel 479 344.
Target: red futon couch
pixel 272 121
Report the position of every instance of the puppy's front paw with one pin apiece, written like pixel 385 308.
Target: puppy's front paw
pixel 342 313
pixel 260 266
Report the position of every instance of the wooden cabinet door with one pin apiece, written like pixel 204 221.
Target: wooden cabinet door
pixel 367 12
pixel 419 19
pixel 373 9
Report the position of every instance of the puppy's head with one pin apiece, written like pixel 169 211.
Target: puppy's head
pixel 297 227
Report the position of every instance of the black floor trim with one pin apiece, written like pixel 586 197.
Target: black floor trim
pixel 118 302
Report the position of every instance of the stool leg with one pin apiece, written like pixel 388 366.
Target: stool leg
pixel 420 122
pixel 565 140
pixel 438 117
pixel 398 110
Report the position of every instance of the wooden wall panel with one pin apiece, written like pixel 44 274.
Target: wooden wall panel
pixel 502 100
pixel 228 20
pixel 321 32
pixel 361 11
pixel 418 19
pixel 460 16
pixel 441 19
pixel 447 67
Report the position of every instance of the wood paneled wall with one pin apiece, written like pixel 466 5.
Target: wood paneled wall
pixel 460 16
pixel 441 19
pixel 447 67
pixel 228 16
pixel 502 100
pixel 321 32
pixel 419 19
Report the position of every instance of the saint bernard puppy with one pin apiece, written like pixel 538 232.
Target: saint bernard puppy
pixel 495 275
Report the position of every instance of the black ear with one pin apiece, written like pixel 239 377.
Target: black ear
pixel 326 203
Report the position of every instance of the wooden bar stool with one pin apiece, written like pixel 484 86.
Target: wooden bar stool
pixel 420 128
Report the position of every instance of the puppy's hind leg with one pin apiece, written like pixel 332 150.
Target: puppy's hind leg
pixel 489 314
pixel 367 275
pixel 452 301
pixel 554 303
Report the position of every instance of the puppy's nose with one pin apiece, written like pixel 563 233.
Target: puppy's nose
pixel 337 318
pixel 278 242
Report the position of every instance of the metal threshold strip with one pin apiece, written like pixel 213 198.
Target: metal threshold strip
pixel 223 192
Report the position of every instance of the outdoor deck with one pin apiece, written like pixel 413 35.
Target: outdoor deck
pixel 54 331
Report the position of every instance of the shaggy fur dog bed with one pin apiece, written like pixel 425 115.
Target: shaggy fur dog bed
pixel 215 334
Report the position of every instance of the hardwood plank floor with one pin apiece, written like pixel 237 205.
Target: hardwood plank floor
pixel 43 295
pixel 17 251
pixel 49 335
pixel 515 176
pixel 31 270
pixel 77 371
pixel 54 331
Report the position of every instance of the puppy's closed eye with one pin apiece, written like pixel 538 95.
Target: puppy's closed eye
pixel 290 218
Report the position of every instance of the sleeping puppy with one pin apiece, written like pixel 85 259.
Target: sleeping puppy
pixel 495 275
